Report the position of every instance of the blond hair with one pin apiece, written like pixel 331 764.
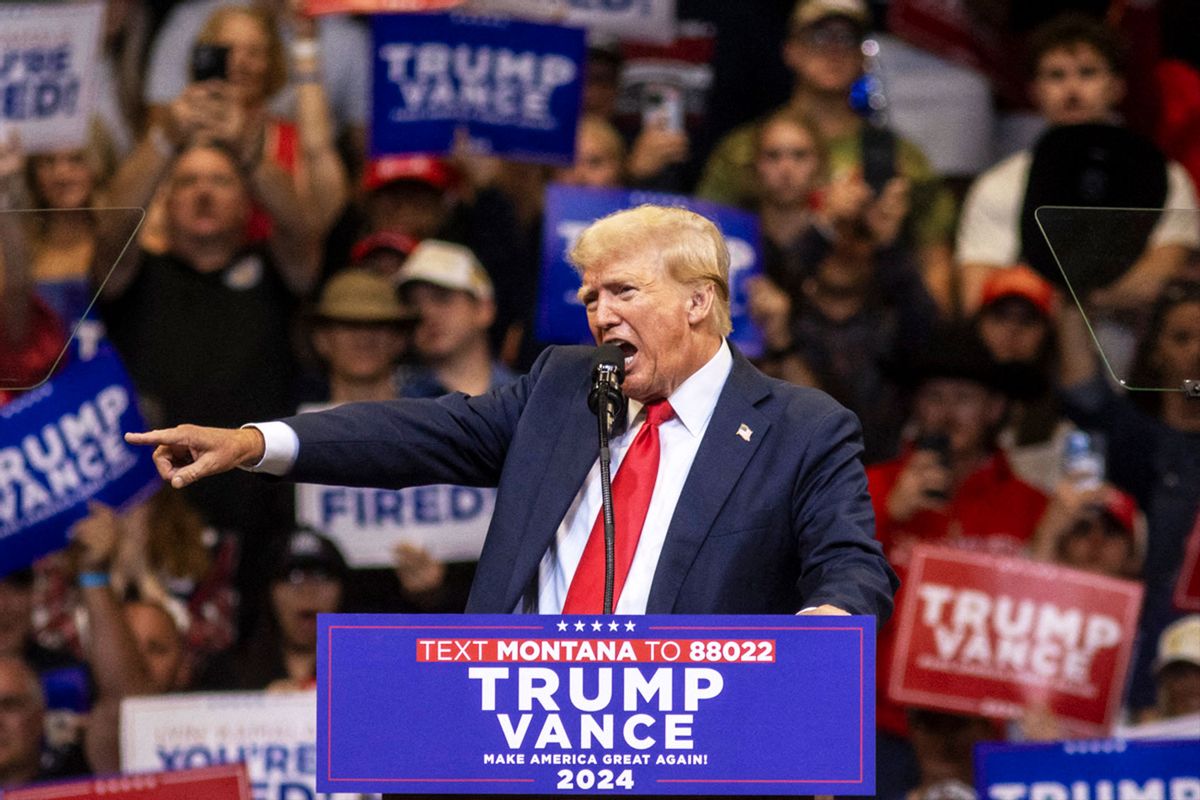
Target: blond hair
pixel 276 77
pixel 689 247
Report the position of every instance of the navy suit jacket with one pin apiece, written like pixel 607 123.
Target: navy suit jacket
pixel 769 525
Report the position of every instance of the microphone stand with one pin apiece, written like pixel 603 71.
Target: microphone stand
pixel 605 419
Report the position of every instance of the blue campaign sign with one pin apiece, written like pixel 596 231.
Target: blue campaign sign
pixel 515 86
pixel 61 445
pixel 488 704
pixel 1109 769
pixel 569 209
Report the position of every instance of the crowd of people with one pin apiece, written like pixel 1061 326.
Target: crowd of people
pixel 279 267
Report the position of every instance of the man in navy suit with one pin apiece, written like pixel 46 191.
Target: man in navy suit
pixel 757 503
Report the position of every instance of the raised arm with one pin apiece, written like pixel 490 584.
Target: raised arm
pixel 321 177
pixel 16 282
pixel 115 264
pixel 112 651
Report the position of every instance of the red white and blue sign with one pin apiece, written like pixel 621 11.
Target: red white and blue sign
pixel 515 87
pixel 1104 769
pixel 488 704
pixel 569 209
pixel 62 445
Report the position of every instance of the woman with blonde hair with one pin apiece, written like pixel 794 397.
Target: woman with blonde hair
pixel 232 108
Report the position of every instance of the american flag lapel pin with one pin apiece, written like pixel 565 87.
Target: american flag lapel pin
pixel 744 432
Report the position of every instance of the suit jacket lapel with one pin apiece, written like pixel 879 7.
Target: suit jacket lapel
pixel 720 461
pixel 574 451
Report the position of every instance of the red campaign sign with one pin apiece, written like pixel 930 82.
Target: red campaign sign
pixel 316 7
pixel 995 635
pixel 1187 588
pixel 228 782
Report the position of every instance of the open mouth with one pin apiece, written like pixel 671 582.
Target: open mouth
pixel 629 350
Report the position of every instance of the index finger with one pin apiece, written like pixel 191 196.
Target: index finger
pixel 155 437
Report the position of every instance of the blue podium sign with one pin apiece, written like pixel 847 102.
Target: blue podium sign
pixel 486 704
pixel 1106 769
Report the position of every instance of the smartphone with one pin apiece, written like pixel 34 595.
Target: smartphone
pixel 209 62
pixel 939 444
pixel 878 157
pixel 662 105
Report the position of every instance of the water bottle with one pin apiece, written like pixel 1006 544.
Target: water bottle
pixel 1083 460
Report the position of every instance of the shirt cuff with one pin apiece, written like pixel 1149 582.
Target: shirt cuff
pixel 281 446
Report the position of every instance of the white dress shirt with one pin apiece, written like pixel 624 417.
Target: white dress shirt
pixel 679 437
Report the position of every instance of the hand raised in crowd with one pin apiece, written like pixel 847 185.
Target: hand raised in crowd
pixel 476 169
pixel 188 113
pixel 656 148
pixel 885 216
pixel 1069 503
pixel 299 21
pixel 417 569
pixel 921 486
pixel 771 310
pixel 12 155
pixel 844 202
pixel 1040 724
pixel 187 453
pixel 94 538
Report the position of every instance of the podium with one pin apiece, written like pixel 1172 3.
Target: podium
pixel 623 705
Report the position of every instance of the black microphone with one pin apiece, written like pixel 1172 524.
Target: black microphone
pixel 608 372
pixel 608 404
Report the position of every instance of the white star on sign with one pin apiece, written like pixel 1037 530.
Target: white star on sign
pixel 629 625
pixel 614 626
pixel 597 625
pixel 562 625
pixel 579 625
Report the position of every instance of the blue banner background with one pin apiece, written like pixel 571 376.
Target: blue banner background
pixel 569 209
pixel 111 472
pixel 400 127
pixel 1086 761
pixel 803 724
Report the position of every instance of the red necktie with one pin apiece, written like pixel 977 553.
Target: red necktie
pixel 631 489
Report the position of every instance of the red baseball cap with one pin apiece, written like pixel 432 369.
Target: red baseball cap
pixel 432 170
pixel 382 240
pixel 1123 510
pixel 1019 281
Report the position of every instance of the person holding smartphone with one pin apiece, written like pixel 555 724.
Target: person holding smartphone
pixel 952 485
pixel 238 63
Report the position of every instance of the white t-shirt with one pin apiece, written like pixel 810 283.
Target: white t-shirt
pixel 989 230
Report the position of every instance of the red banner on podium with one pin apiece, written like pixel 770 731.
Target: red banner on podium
pixel 1187 588
pixel 228 782
pixel 993 636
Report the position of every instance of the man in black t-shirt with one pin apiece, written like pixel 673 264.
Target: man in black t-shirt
pixel 204 327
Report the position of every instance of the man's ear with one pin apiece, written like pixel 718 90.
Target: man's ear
pixel 997 407
pixel 701 297
pixel 320 340
pixel 1117 92
pixel 485 313
pixel 790 51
